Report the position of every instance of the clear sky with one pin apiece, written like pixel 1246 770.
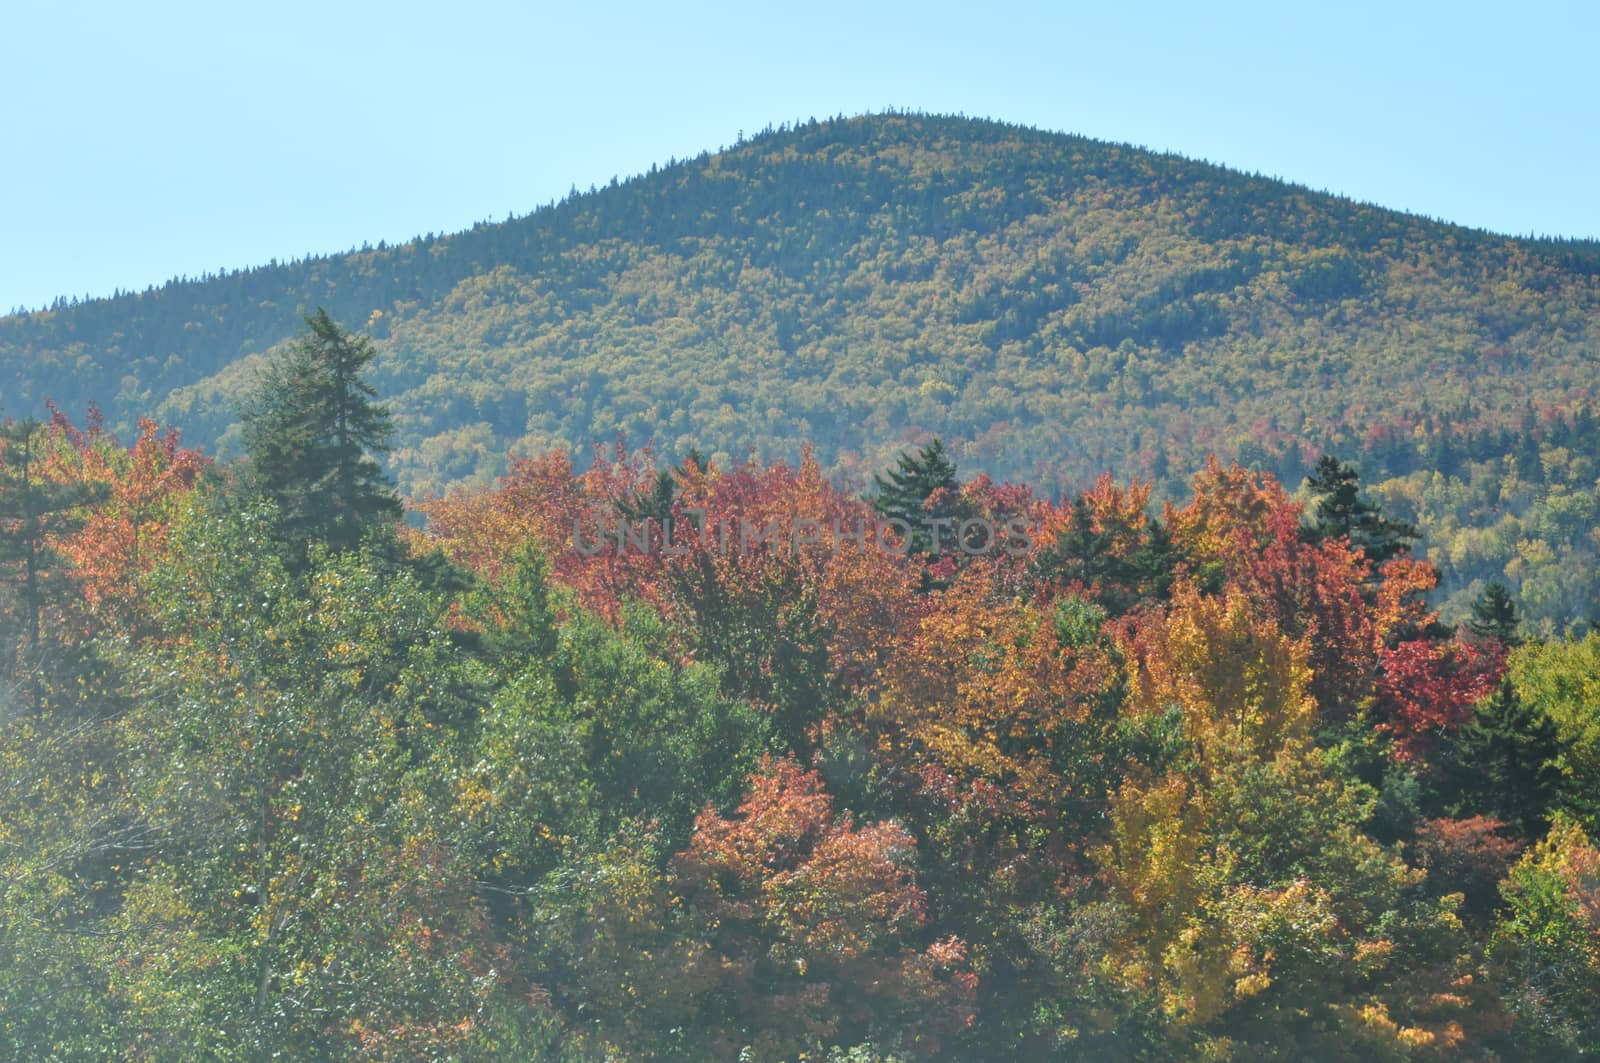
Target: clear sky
pixel 149 140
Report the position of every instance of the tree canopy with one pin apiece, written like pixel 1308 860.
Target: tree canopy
pixel 1174 782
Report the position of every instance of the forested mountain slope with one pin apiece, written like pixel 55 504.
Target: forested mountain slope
pixel 1052 306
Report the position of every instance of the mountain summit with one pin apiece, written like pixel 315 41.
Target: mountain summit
pixel 1050 305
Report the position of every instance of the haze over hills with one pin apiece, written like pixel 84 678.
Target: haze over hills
pixel 1052 306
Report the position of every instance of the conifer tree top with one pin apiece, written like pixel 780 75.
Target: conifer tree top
pixel 1340 510
pixel 311 430
pixel 1494 615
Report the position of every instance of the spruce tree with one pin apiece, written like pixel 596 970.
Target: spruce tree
pixel 656 504
pixel 1339 510
pixel 661 500
pixel 1082 554
pixel 311 430
pixel 1494 615
pixel 1503 762
pixel 905 493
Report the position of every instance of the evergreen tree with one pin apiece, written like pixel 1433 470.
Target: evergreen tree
pixel 1340 510
pixel 1494 615
pixel 655 505
pixel 311 429
pixel 1153 566
pixel 1503 762
pixel 1080 553
pixel 1084 555
pixel 905 494
pixel 526 630
pixel 659 502
pixel 33 508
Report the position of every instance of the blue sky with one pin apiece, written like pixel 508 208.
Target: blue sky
pixel 150 140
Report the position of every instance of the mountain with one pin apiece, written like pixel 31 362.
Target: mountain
pixel 1052 306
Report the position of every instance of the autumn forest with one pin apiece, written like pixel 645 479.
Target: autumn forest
pixel 1052 307
pixel 287 776
pixel 900 588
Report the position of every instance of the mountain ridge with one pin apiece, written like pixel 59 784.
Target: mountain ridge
pixel 1051 305
pixel 317 280
pixel 66 301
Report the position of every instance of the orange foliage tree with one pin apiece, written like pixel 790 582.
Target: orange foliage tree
pixel 813 925
pixel 983 693
pixel 140 493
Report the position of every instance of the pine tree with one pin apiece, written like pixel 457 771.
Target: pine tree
pixel 904 496
pixel 1339 510
pixel 311 429
pixel 1494 615
pixel 1503 762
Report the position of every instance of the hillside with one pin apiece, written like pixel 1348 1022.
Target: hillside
pixel 1051 305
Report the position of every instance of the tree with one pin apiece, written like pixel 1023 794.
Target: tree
pixel 815 926
pixel 1428 689
pixel 1494 616
pixel 291 749
pixel 1314 591
pixel 37 507
pixel 1469 856
pixel 1560 679
pixel 125 534
pixel 984 695
pixel 1340 510
pixel 310 430
pixel 1505 761
pixel 1547 945
pixel 1257 910
pixel 920 491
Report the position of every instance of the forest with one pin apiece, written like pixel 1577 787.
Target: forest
pixel 548 767
pixel 1052 307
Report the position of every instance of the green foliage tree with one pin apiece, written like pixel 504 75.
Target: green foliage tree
pixel 35 507
pixel 22 505
pixel 1561 680
pixel 522 627
pixel 294 746
pixel 1547 945
pixel 311 428
pixel 1494 616
pixel 1121 578
pixel 1340 510
pixel 660 738
pixel 905 495
pixel 655 505
pixel 67 839
pixel 1505 761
